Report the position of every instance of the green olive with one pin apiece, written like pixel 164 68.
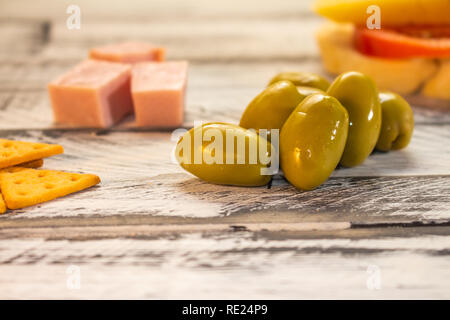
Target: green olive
pixel 270 109
pixel 397 122
pixel 306 79
pixel 359 95
pixel 210 152
pixel 312 141
pixel 307 91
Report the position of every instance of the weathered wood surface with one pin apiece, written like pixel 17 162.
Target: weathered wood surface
pixel 229 266
pixel 151 230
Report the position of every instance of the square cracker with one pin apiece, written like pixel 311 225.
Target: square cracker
pixel 15 152
pixel 6 171
pixel 20 167
pixel 32 164
pixel 23 187
pixel 2 205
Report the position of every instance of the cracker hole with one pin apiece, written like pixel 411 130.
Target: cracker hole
pixel 22 193
pixel 18 182
pixel 7 144
pixel 49 186
pixel 41 175
pixel 74 178
pixel 38 147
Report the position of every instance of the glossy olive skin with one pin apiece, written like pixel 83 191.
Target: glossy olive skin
pixel 397 122
pixel 312 141
pixel 305 79
pixel 307 91
pixel 239 174
pixel 359 95
pixel 270 109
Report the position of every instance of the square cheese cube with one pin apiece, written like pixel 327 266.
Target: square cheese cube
pixel 158 91
pixel 92 94
pixel 128 52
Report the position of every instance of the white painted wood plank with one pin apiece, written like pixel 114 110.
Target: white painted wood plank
pixel 32 35
pixel 154 230
pixel 236 266
pixel 217 40
pixel 162 10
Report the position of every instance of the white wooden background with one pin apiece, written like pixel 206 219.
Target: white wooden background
pixel 150 230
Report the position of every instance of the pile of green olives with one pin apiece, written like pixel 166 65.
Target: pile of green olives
pixel 321 126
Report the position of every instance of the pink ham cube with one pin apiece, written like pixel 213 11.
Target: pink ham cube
pixel 128 52
pixel 158 91
pixel 93 94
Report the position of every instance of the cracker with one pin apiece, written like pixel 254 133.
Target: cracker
pixel 8 170
pixel 2 205
pixel 32 164
pixel 15 152
pixel 26 165
pixel 23 187
pixel 13 169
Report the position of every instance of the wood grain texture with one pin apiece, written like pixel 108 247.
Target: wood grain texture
pixel 159 10
pixel 33 36
pixel 234 40
pixel 348 199
pixel 236 266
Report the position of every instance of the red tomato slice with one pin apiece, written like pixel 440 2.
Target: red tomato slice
pixel 401 43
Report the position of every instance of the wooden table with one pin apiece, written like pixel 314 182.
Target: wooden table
pixel 150 230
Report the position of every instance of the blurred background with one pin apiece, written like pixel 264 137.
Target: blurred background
pixel 198 30
pixel 233 47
